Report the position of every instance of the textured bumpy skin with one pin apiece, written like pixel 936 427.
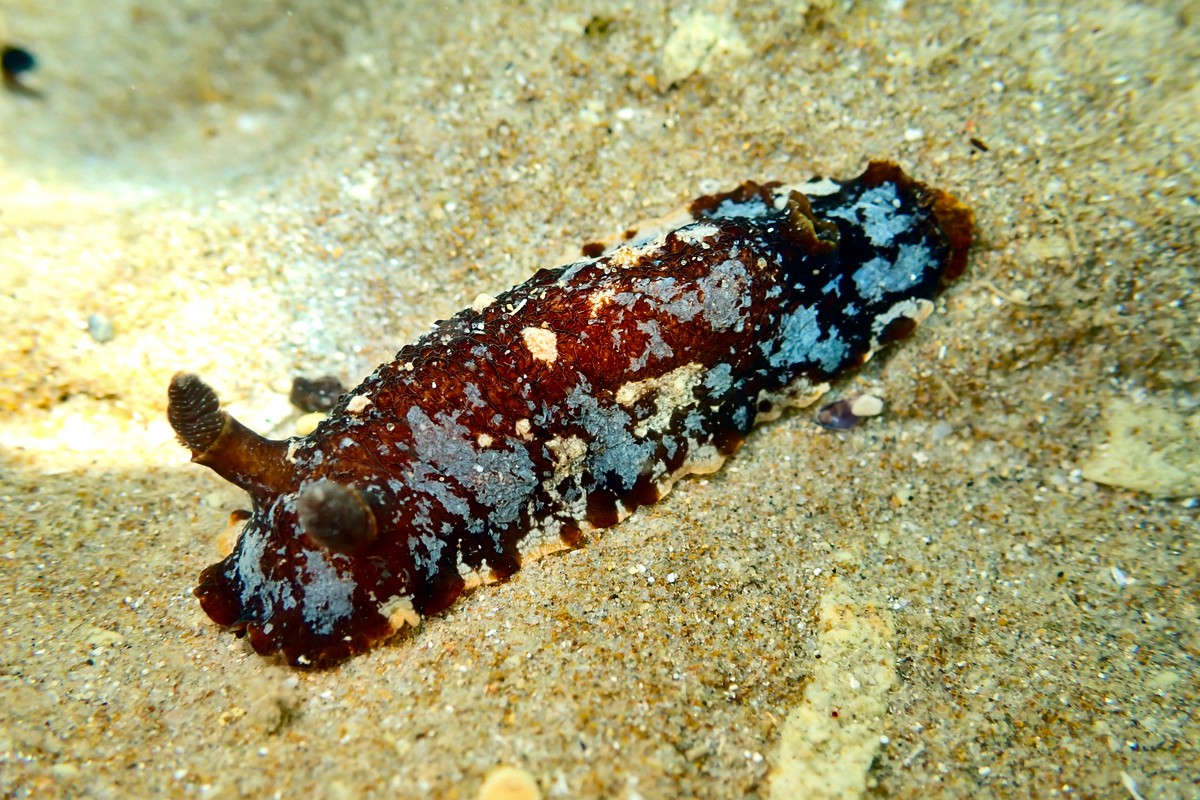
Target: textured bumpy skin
pixel 515 427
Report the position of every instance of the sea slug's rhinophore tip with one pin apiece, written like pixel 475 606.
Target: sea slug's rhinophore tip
pixel 194 412
pixel 336 517
pixel 223 444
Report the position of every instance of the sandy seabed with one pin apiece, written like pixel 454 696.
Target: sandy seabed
pixel 944 601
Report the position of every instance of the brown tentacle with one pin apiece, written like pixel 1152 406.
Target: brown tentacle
pixel 221 443
pixel 816 236
pixel 336 517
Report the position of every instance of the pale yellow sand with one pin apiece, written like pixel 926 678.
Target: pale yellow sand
pixel 253 192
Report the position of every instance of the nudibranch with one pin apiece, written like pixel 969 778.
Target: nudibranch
pixel 558 407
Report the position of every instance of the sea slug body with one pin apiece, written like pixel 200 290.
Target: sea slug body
pixel 512 429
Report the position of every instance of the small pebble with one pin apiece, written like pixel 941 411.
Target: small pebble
pixel 14 63
pixel 15 60
pixel 309 422
pixel 509 783
pixel 100 327
pixel 866 405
